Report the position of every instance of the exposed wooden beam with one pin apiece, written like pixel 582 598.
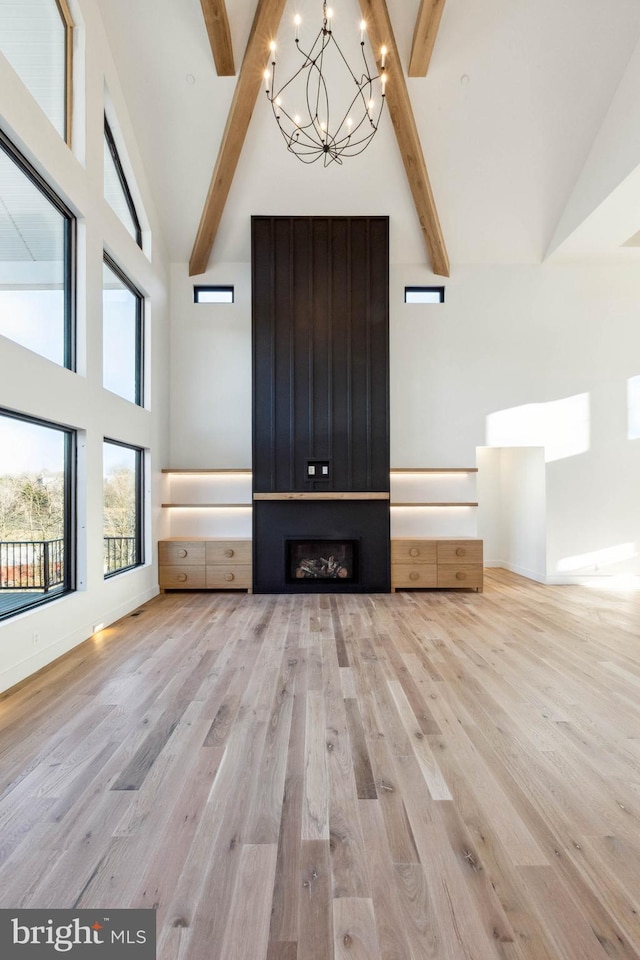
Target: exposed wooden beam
pixel 380 32
pixel 424 37
pixel 265 26
pixel 215 17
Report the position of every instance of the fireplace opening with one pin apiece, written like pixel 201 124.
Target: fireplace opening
pixel 322 560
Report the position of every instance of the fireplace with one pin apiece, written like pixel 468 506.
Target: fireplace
pixel 321 546
pixel 321 560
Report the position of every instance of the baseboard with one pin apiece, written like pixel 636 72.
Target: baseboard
pixel 619 581
pixel 47 655
pixel 521 571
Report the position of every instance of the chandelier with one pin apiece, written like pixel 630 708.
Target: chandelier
pixel 326 108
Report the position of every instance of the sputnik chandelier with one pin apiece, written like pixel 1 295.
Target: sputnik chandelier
pixel 327 109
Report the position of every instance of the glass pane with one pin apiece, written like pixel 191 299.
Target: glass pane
pixel 424 295
pixel 32 265
pixel 121 526
pixel 32 38
pixel 120 332
pixel 214 294
pixel 32 513
pixel 114 192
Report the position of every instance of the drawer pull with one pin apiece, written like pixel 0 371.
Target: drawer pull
pixel 414 552
pixel 229 577
pixel 181 577
pixel 460 575
pixel 414 576
pixel 229 552
pixel 183 553
pixel 460 551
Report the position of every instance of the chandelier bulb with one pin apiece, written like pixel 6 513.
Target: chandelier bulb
pixel 272 46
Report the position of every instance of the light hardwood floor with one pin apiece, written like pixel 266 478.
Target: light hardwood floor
pixel 435 775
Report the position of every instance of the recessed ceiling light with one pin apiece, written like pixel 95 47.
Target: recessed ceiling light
pixel 191 79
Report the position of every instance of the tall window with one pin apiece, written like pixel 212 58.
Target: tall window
pixel 37 234
pixel 123 507
pixel 116 189
pixel 36 39
pixel 36 512
pixel 122 333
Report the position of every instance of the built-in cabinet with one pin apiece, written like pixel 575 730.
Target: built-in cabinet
pixel 433 541
pixel 211 564
pixel 451 563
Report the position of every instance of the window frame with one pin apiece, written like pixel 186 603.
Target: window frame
pixel 218 288
pixel 140 344
pixel 70 247
pixel 115 156
pixel 420 289
pixel 70 519
pixel 67 20
pixel 139 501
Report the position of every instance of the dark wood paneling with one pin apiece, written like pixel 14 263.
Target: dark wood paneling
pixel 320 352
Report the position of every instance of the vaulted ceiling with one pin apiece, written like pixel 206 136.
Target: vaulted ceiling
pixel 507 117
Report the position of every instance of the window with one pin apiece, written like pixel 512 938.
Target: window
pixel 36 38
pixel 116 189
pixel 37 488
pixel 123 500
pixel 213 294
pixel 37 241
pixel 122 334
pixel 424 294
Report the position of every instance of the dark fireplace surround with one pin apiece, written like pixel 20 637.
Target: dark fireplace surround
pixel 365 523
pixel 320 316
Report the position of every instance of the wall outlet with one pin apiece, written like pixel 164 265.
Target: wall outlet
pixel 36 638
pixel 318 469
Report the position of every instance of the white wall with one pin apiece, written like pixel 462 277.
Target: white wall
pixel 526 355
pixel 34 386
pixel 512 513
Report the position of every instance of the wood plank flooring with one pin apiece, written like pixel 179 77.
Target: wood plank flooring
pixel 415 776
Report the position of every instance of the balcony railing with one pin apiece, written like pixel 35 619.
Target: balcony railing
pixel 38 565
pixel 119 553
pixel 31 565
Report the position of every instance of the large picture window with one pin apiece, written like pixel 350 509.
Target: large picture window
pixel 37 236
pixel 122 334
pixel 116 188
pixel 37 486
pixel 123 507
pixel 36 38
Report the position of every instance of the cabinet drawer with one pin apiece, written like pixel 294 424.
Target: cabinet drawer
pixel 180 551
pixel 186 577
pixel 413 551
pixel 229 575
pixel 460 551
pixel 414 575
pixel 460 575
pixel 228 551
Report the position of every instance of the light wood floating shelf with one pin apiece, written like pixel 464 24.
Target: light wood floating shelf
pixel 242 471
pixel 421 470
pixel 445 503
pixel 196 506
pixel 320 495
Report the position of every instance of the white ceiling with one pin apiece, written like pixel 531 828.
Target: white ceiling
pixel 514 99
